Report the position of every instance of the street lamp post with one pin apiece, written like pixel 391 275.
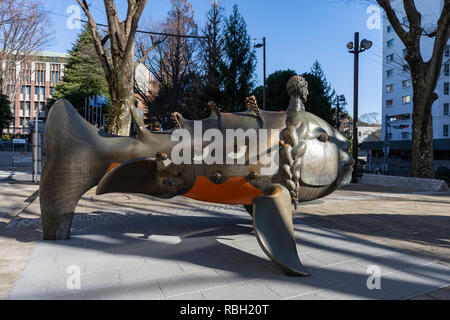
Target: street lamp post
pixel 263 45
pixel 356 48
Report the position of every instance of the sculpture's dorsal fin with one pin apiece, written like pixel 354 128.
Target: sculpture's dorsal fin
pixel 215 111
pixel 177 119
pixel 252 106
pixel 142 131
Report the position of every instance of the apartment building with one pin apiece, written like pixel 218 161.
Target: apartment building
pixel 397 86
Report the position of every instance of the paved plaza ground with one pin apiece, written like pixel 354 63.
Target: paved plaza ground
pixel 137 247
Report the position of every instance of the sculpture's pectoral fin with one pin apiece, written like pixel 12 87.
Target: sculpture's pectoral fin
pixel 136 176
pixel 272 222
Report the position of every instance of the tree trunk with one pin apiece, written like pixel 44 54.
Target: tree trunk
pixel 422 140
pixel 121 89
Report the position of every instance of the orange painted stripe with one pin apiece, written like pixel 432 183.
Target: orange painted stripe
pixel 235 190
pixel 112 166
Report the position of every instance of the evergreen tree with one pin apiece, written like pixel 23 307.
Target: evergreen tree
pixel 212 54
pixel 240 62
pixel 276 94
pixel 83 75
pixel 321 95
pixel 5 112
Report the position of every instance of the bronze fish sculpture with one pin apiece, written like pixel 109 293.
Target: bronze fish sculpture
pixel 263 160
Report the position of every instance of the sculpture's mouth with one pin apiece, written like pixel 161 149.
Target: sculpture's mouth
pixel 345 172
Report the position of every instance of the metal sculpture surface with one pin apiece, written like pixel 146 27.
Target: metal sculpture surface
pixel 313 161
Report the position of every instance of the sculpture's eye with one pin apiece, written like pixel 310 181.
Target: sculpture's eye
pixel 319 134
pixel 323 137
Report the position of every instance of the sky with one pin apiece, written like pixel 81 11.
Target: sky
pixel 297 32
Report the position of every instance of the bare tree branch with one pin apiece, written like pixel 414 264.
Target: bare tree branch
pixel 144 52
pixel 24 31
pixel 95 37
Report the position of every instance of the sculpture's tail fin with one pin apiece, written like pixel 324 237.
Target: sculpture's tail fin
pixel 78 155
pixel 273 226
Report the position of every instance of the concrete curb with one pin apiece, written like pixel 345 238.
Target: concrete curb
pixel 419 184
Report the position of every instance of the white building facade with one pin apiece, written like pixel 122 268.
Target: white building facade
pixel 397 85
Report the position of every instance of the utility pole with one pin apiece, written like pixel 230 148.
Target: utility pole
pixel 356 48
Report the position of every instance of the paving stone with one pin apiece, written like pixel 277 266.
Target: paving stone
pixel 250 290
pixel 342 273
pixel 415 281
pixel 188 296
pixel 27 291
pixel 190 282
pixel 441 294
pixel 146 271
pixel 144 290
pixel 74 296
pixel 112 261
pixel 354 291
pixel 308 296
pixel 394 262
pixel 331 257
pixel 286 287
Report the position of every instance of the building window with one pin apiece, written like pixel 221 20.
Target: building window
pixel 22 105
pixel 389 136
pixel 390 72
pixel 405 135
pixel 389 88
pixel 405 20
pixel 445 130
pixel 389 28
pixel 25 69
pixel 447 69
pixel 40 73
pixel 390 58
pixel 405 68
pixel 447 51
pixel 390 43
pixel 446 87
pixel 389 103
pixel 42 90
pixel 406 99
pixel 406 83
pixel 446 107
pixel 55 73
